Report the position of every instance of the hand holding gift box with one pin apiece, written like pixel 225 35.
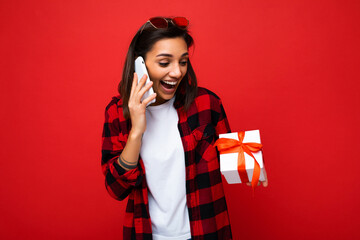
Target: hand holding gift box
pixel 241 157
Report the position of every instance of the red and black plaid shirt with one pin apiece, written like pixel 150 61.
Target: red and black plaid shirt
pixel 199 127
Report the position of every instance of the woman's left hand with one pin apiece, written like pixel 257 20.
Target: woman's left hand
pixel 264 183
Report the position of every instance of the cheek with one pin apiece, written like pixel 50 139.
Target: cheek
pixel 184 71
pixel 156 74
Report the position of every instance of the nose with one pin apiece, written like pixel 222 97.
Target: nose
pixel 175 71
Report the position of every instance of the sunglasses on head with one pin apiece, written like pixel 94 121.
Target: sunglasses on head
pixel 162 23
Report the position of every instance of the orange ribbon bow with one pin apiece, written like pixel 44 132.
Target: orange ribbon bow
pixel 227 145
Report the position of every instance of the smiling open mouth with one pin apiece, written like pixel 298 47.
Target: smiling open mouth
pixel 168 84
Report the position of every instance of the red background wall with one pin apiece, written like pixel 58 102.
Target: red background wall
pixel 288 68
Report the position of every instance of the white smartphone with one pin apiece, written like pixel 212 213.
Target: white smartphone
pixel 140 69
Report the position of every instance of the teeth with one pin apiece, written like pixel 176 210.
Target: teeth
pixel 170 83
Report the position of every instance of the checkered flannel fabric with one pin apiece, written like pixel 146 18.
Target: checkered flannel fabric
pixel 199 128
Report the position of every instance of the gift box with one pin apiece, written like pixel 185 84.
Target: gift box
pixel 241 157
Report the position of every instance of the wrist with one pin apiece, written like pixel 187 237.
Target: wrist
pixel 135 135
pixel 126 164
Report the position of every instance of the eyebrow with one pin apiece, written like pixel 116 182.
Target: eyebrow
pixel 170 55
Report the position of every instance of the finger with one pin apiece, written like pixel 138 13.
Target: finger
pixel 249 184
pixel 265 183
pixel 140 92
pixel 149 99
pixel 141 83
pixel 134 84
pixel 138 95
pixel 145 89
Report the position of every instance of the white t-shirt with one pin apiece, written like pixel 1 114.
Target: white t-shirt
pixel 163 156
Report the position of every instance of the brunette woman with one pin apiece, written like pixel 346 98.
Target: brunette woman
pixel 162 156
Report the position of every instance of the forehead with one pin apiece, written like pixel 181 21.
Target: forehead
pixel 174 46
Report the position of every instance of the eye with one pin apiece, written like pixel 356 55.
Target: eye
pixel 183 63
pixel 163 64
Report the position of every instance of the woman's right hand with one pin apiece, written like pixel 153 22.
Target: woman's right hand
pixel 137 107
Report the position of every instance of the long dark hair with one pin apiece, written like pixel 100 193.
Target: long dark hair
pixel 143 41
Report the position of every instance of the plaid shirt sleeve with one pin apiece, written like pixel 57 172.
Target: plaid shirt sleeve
pixel 118 181
pixel 200 127
pixel 222 124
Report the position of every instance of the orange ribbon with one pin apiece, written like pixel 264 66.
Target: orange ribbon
pixel 228 145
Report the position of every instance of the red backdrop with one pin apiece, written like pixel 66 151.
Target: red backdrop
pixel 288 68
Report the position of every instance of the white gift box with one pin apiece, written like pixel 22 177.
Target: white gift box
pixel 229 161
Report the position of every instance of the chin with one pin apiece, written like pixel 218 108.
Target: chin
pixel 167 97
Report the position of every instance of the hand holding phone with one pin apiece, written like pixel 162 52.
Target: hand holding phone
pixel 140 69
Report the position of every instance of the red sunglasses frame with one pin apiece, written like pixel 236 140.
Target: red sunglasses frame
pixel 162 23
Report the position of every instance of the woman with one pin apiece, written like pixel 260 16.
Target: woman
pixel 162 156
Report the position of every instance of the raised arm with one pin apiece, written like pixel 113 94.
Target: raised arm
pixel 121 147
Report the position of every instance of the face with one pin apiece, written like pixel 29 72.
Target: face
pixel 167 65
